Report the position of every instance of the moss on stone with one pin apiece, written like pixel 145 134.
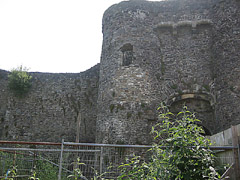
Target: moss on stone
pixel 174 86
pixel 111 107
pixel 206 87
pixel 139 114
pixel 129 115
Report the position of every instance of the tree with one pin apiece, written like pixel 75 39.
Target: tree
pixel 181 151
pixel 19 81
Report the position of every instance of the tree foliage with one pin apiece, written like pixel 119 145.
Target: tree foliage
pixel 19 81
pixel 181 151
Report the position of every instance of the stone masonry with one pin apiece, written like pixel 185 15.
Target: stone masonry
pixel 176 51
pixel 51 109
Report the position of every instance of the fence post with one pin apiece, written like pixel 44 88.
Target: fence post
pixel 60 161
pixel 235 151
pixel 101 160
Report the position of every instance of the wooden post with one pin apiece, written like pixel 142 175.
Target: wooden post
pixel 78 127
pixel 235 152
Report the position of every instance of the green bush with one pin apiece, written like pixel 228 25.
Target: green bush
pixel 45 170
pixel 182 152
pixel 11 173
pixel 19 81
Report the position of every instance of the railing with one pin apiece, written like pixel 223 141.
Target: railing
pixel 57 160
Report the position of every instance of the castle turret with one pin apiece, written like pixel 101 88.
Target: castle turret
pixel 154 52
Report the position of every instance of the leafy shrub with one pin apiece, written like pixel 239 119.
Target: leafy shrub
pixel 77 173
pixel 182 152
pixel 19 81
pixel 11 173
pixel 46 171
pixel 34 174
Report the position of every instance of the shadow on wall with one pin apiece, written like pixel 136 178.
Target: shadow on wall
pixel 198 104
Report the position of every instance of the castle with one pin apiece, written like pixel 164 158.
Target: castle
pixel 175 51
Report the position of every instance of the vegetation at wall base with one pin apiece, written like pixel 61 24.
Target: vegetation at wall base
pixel 19 81
pixel 77 173
pixel 45 171
pixel 181 151
pixel 11 173
pixel 34 175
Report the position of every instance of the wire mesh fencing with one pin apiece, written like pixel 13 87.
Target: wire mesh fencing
pixel 100 160
pixel 57 161
pixel 26 161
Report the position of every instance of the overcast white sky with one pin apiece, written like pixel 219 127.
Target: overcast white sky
pixel 51 35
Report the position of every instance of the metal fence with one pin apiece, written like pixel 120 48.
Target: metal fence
pixel 103 158
pixel 55 161
pixel 43 158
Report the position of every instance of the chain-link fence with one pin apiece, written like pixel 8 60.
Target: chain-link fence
pixel 55 161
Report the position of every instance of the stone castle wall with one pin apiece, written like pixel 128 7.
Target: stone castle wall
pixel 226 44
pixel 176 51
pixel 51 109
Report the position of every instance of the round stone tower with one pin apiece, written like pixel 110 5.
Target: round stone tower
pixel 154 52
pixel 126 91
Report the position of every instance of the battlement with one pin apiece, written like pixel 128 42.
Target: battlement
pixel 174 27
